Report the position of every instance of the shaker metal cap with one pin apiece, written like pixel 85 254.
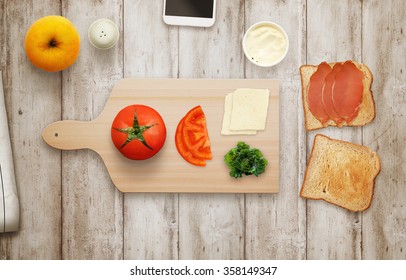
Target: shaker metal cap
pixel 103 34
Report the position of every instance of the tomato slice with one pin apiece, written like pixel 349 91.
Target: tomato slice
pixel 183 150
pixel 192 139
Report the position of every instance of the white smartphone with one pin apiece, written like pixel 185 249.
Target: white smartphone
pixel 190 12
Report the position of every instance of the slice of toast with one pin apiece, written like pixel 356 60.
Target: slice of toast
pixel 341 173
pixel 366 112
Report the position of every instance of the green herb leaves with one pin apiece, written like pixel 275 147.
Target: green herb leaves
pixel 245 160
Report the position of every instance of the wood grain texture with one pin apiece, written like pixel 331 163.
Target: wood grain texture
pixel 384 50
pixel 212 226
pixel 33 100
pixel 70 208
pixel 92 207
pixel 151 221
pixel 332 232
pixel 275 224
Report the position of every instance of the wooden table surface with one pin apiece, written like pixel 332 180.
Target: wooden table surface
pixel 71 210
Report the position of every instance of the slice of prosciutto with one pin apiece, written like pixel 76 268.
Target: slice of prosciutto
pixel 314 92
pixel 327 98
pixel 347 91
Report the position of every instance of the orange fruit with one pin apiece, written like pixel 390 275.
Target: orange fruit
pixel 52 43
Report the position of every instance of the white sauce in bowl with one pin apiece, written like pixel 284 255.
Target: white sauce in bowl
pixel 265 44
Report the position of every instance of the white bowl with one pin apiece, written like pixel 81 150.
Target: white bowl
pixel 272 50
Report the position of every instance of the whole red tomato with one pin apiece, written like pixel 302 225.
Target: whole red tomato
pixel 138 132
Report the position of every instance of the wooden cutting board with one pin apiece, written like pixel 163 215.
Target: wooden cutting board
pixel 168 171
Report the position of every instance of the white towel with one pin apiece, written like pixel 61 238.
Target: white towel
pixel 9 207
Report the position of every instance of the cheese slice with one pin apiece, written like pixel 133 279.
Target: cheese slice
pixel 225 130
pixel 249 109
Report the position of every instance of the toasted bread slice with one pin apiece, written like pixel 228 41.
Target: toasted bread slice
pixel 366 112
pixel 341 173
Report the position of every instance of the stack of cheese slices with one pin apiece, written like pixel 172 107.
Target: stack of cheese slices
pixel 245 111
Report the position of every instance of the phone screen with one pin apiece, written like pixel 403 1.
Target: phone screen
pixel 189 8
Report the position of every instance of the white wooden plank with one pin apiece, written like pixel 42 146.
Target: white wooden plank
pixel 275 224
pixel 384 51
pixel 212 226
pixel 151 50
pixel 33 99
pixel 333 34
pixel 92 207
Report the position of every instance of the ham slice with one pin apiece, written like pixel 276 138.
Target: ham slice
pixel 327 95
pixel 314 93
pixel 347 91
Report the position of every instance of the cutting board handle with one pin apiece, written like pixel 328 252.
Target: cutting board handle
pixel 70 135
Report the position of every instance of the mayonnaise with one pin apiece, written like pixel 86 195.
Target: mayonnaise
pixel 265 44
